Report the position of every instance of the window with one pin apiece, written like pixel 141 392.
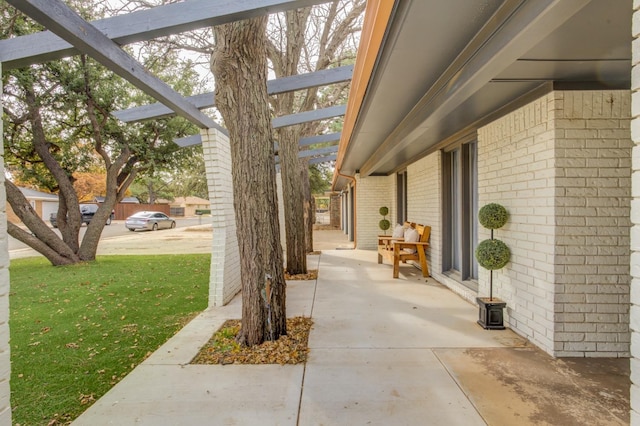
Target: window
pixel 460 201
pixel 401 191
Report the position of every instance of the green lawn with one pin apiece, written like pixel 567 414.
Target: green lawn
pixel 78 330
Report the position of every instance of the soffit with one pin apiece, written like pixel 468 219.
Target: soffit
pixel 592 44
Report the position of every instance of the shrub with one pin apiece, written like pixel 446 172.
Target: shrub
pixel 493 216
pixel 492 254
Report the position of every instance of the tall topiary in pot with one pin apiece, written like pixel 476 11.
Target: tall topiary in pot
pixel 492 254
pixel 384 224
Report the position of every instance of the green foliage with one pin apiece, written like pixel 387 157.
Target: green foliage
pixel 77 330
pixel 62 98
pixel 384 224
pixel 320 176
pixel 493 216
pixel 492 254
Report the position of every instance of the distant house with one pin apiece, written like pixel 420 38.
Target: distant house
pixel 43 203
pixel 125 200
pixel 187 206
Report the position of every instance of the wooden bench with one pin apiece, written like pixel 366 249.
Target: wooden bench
pixel 396 249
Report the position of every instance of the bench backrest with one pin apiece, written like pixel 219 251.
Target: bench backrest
pixel 424 231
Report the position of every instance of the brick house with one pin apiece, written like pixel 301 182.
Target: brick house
pixel 458 104
pixel 188 206
pixel 43 203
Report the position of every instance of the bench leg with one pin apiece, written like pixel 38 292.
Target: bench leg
pixel 396 265
pixel 423 261
pixel 379 258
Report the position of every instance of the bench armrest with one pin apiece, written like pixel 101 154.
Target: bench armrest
pixel 389 237
pixel 398 245
pixel 386 241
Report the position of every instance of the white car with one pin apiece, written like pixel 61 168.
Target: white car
pixel 151 221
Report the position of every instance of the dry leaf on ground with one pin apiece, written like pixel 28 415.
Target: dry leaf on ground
pixel 290 349
pixel 312 274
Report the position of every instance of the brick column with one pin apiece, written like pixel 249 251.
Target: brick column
pixel 5 362
pixel 224 282
pixel 634 321
pixel 372 193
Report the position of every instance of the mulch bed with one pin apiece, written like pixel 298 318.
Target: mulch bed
pixel 312 274
pixel 290 349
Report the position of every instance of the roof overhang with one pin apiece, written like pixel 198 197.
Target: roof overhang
pixel 429 72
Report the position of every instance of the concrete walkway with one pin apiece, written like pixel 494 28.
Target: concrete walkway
pixel 382 352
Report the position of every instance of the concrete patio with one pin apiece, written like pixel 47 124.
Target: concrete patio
pixel 382 352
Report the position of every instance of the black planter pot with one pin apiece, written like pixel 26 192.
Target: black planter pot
pixel 490 315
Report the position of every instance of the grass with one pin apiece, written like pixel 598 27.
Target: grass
pixel 78 330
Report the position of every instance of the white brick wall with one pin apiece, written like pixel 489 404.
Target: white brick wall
pixel 516 169
pixel 424 203
pixel 372 193
pixel 560 165
pixel 224 282
pixel 5 362
pixel 634 321
pixel 593 174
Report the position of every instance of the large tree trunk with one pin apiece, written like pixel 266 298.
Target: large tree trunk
pixel 308 205
pixel 293 200
pixel 239 66
pixel 41 237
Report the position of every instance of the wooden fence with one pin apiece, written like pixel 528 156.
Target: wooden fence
pixel 124 210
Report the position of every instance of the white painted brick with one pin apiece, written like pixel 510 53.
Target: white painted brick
pixel 578 155
pixel 225 279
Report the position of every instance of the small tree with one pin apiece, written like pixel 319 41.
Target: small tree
pixel 384 224
pixel 492 254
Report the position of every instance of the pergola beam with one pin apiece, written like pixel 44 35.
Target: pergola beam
pixel 316 152
pixel 312 140
pixel 324 159
pixel 310 80
pixel 189 141
pixel 332 138
pixel 143 25
pixel 304 117
pixel 206 100
pixel 66 23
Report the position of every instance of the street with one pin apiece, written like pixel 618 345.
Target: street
pixel 117 229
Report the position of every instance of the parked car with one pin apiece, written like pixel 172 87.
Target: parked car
pixel 86 210
pixel 149 220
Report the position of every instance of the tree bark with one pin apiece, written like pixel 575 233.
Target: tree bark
pixel 293 200
pixel 309 206
pixel 239 66
pixel 41 237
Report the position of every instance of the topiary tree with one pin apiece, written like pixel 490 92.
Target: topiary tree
pixel 492 254
pixel 384 224
pixel 493 216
